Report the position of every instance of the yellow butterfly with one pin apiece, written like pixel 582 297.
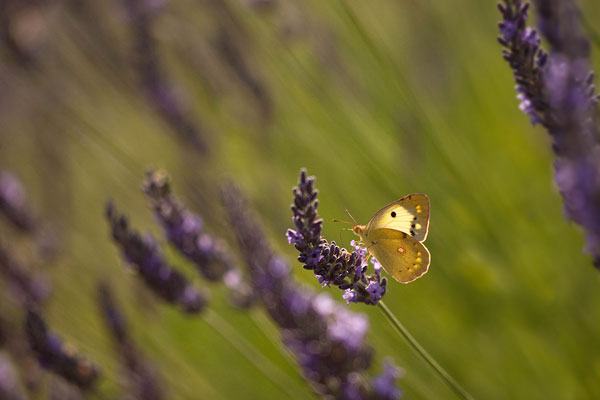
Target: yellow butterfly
pixel 394 236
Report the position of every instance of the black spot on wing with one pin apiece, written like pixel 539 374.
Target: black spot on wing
pixel 393 214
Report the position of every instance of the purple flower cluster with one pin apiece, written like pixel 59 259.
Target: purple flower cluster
pixel 144 254
pixel 13 203
pixel 143 379
pixel 210 255
pixel 557 90
pixel 54 356
pixel 153 81
pixel 331 264
pixel 327 339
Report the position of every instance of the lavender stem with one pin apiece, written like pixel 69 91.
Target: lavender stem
pixel 250 352
pixel 410 339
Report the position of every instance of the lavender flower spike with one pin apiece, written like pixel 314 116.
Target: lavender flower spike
pixel 331 264
pixel 54 356
pixel 143 253
pixel 160 93
pixel 327 339
pixel 527 60
pixel 143 379
pixel 185 231
pixel 557 90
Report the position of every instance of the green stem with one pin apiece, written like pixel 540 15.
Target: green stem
pixel 422 352
pixel 263 364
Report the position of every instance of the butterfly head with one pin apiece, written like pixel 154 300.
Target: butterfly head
pixel 359 230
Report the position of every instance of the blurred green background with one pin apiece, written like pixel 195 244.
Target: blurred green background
pixel 377 99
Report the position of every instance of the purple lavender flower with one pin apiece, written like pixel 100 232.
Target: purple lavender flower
pixel 153 81
pixel 293 236
pixel 557 91
pixel 54 356
pixel 143 253
pixel 384 385
pixel 13 203
pixel 184 230
pixel 334 265
pixel 143 379
pixel 327 339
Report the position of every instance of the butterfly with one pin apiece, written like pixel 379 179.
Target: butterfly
pixel 394 236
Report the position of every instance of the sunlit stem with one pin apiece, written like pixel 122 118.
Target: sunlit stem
pixel 422 352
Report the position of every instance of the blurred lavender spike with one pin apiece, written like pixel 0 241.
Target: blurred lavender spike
pixel 556 89
pixel 144 380
pixel 229 51
pixel 143 253
pixel 13 203
pixel 327 339
pixel 185 231
pixel 9 381
pixel 54 356
pixel 30 288
pixel 384 384
pixel 160 93
pixel 331 264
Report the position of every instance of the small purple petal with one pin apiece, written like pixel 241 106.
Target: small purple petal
pixel 293 236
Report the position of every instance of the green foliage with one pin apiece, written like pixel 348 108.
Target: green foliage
pixel 376 99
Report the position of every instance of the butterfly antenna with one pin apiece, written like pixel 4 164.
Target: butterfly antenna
pixel 351 217
pixel 343 222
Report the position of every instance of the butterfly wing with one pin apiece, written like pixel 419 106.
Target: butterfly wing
pixel 401 255
pixel 410 214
